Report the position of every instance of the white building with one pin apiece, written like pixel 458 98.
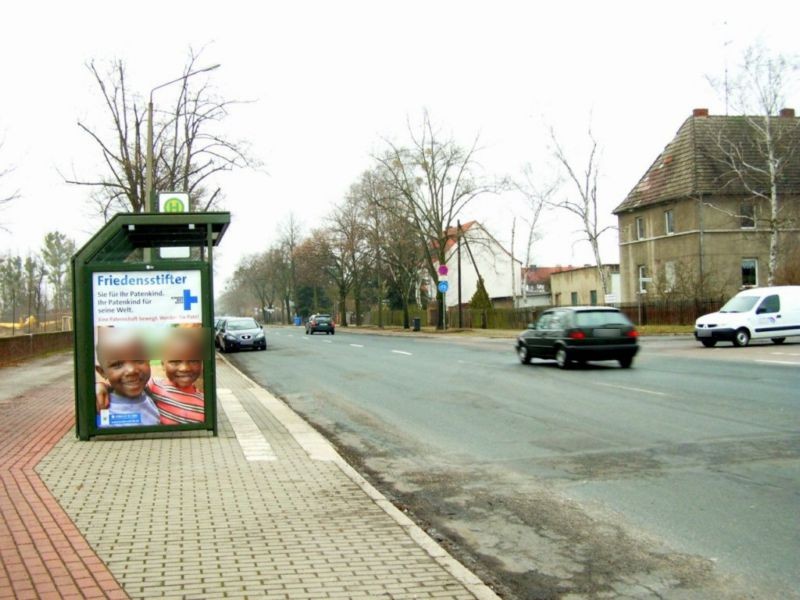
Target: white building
pixel 482 255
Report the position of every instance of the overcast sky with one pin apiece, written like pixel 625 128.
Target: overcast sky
pixel 329 80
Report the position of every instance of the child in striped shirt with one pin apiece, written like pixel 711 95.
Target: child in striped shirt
pixel 176 397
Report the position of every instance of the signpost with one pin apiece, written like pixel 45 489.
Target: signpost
pixel 443 286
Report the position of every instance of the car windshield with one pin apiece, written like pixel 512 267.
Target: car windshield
pixel 739 304
pixel 601 318
pixel 240 324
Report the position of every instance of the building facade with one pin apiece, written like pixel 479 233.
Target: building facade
pixel 581 286
pixel 698 224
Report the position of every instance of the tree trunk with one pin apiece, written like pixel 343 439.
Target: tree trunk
pixel 774 206
pixel 343 308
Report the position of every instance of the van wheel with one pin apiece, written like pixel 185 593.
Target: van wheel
pixel 778 340
pixel 742 338
pixel 709 343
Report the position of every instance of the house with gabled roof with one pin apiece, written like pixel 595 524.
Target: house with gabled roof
pixel 692 227
pixel 479 254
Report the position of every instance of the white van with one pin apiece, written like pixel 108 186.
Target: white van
pixel 757 313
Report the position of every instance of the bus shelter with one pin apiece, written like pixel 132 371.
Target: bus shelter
pixel 143 302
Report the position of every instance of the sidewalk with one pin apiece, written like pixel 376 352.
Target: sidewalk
pixel 266 510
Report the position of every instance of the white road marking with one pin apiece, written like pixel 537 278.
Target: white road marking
pixel 779 362
pixel 327 341
pixel 253 443
pixel 357 345
pixel 633 389
pixel 785 353
pixel 402 352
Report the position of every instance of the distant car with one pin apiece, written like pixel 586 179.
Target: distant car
pixel 320 323
pixel 240 333
pixel 579 334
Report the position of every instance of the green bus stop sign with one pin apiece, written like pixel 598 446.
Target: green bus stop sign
pixel 174 205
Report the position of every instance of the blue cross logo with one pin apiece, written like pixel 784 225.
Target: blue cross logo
pixel 188 300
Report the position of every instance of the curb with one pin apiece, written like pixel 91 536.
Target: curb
pixel 319 448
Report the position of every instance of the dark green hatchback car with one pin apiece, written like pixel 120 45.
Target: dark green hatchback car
pixel 579 334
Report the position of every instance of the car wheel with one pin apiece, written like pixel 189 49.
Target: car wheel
pixel 562 359
pixel 523 354
pixel 626 362
pixel 742 338
pixel 709 343
pixel 778 340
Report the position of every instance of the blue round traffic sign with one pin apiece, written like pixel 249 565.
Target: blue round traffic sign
pixel 442 287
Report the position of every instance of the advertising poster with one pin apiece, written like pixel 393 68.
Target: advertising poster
pixel 149 343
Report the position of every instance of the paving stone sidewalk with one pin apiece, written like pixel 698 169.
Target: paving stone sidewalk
pixel 265 510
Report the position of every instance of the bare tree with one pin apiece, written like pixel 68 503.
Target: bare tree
pixel 537 196
pixel 368 195
pixel 189 148
pixel 584 204
pixel 290 237
pixel 253 273
pixel 434 180
pixel 760 147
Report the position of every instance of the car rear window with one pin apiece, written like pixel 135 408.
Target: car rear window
pixel 600 318
pixel 323 319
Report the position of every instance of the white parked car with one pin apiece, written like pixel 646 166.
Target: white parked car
pixel 757 313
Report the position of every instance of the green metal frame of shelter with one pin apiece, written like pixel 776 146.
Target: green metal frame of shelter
pixel 130 242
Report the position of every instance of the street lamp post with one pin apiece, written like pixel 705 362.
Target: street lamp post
pixel 148 200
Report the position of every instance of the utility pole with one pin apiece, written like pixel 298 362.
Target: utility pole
pixel 458 269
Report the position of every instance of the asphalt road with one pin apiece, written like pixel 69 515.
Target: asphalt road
pixel 678 478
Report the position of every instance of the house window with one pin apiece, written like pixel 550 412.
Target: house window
pixel 574 298
pixel 593 297
pixel 669 222
pixel 639 228
pixel 643 279
pixel 747 214
pixel 749 271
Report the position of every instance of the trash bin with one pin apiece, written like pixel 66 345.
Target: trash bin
pixel 298 321
pixel 415 323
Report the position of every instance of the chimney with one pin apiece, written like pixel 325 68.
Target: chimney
pixel 787 112
pixel 700 112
